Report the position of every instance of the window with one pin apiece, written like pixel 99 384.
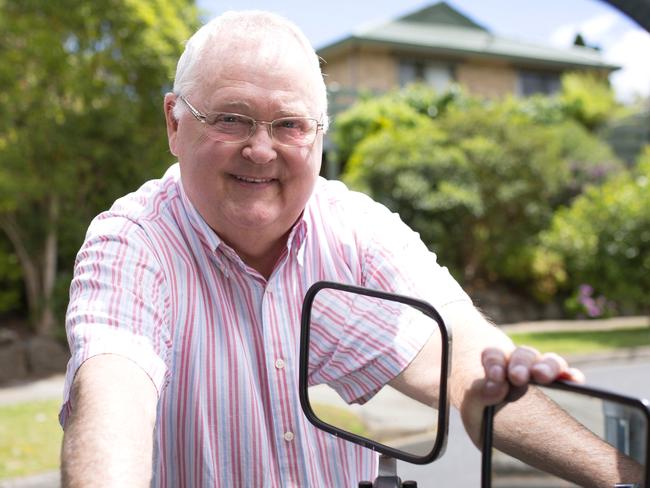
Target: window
pixel 544 82
pixel 435 74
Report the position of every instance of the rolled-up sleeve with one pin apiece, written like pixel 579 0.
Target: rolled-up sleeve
pixel 118 302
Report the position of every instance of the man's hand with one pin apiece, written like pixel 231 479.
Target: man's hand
pixel 486 365
pixel 520 367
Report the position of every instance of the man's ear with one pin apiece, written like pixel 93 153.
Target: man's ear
pixel 172 123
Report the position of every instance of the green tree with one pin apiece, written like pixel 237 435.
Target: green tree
pixel 80 121
pixel 10 277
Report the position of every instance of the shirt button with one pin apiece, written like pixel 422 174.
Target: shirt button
pixel 288 436
pixel 279 363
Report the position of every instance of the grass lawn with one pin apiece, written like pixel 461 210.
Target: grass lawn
pixel 584 342
pixel 341 418
pixel 30 438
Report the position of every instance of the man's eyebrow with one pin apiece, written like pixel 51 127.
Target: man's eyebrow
pixel 232 105
pixel 243 107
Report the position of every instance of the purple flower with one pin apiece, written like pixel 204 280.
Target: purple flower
pixel 585 290
pixel 592 308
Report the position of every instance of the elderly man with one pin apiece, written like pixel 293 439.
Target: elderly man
pixel 184 314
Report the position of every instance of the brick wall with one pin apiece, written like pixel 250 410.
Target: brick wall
pixel 363 69
pixel 490 80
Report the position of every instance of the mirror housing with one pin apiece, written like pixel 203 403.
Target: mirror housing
pixel 613 420
pixel 437 444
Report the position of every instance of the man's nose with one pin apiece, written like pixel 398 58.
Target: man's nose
pixel 260 147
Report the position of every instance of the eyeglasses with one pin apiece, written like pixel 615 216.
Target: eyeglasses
pixel 236 128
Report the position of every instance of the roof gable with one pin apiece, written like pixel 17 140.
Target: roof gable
pixel 441 13
pixel 442 30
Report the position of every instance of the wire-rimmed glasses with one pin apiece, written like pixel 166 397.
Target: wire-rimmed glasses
pixel 237 128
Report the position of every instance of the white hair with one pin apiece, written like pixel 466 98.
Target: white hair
pixel 257 25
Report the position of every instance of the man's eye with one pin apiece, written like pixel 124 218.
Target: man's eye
pixel 294 124
pixel 288 124
pixel 229 119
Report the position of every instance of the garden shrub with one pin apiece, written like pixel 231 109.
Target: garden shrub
pixel 477 184
pixel 478 179
pixel 603 239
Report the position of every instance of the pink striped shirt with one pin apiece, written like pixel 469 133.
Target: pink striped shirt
pixel 154 283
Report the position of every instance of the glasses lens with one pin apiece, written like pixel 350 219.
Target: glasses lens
pixel 294 131
pixel 228 127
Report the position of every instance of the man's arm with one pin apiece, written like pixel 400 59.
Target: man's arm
pixel 484 362
pixel 108 440
pixel 553 441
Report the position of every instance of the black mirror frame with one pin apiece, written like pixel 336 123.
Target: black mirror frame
pixel 594 392
pixel 443 403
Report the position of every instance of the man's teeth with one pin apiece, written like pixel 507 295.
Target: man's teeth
pixel 253 180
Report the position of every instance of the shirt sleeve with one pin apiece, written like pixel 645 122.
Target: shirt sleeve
pixel 358 342
pixel 363 356
pixel 118 299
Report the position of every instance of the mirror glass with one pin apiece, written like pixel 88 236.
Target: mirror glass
pixel 357 344
pixel 589 442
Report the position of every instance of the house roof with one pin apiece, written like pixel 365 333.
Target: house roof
pixel 443 30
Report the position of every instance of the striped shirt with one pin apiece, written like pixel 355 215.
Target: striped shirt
pixel 155 284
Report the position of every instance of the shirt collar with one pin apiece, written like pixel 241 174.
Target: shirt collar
pixel 206 234
pixel 296 240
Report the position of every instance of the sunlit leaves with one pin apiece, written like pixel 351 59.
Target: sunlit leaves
pixel 81 107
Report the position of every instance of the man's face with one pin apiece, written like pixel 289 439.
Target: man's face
pixel 256 187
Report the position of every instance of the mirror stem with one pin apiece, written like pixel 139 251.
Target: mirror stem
pixel 387 466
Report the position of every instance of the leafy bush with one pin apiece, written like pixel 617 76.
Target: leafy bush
pixel 369 117
pixel 587 98
pixel 416 174
pixel 406 108
pixel 603 238
pixel 479 182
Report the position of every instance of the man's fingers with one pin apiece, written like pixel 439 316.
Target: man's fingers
pixel 548 367
pixel 573 374
pixel 520 364
pixel 523 365
pixel 494 363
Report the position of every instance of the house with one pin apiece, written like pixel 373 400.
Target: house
pixel 439 45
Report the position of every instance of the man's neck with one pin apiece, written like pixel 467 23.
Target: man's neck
pixel 260 254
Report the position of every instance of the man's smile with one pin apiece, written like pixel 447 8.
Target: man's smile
pixel 251 179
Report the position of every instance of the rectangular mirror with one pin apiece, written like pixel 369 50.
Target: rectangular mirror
pixel 354 342
pixel 594 439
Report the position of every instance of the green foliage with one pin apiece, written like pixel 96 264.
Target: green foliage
pixel 80 114
pixel 480 181
pixel 369 117
pixel 588 98
pixel 415 174
pixel 603 238
pixel 589 160
pixel 10 278
pixel 406 109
